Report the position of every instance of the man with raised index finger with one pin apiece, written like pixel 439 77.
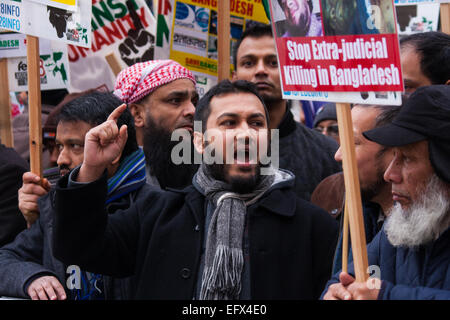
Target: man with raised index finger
pixel 209 240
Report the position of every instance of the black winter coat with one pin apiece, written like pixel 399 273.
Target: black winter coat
pixel 159 239
pixel 12 167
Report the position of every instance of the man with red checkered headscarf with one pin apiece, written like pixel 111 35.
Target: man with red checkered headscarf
pixel 161 96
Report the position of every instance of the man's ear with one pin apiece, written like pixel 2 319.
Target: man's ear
pixel 448 82
pixel 138 112
pixel 198 142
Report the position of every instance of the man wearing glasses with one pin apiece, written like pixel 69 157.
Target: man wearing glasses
pixel 326 123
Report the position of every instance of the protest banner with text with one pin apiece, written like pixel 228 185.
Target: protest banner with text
pixel 351 57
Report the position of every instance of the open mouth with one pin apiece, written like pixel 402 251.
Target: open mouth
pixel 187 127
pixel 243 158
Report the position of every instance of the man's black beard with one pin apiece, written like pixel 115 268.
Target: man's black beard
pixel 157 149
pixel 238 184
pixel 369 192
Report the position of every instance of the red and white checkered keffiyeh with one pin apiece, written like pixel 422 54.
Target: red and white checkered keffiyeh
pixel 139 80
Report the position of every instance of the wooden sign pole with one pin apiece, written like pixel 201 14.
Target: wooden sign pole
pixel 445 17
pixel 345 240
pixel 223 39
pixel 113 63
pixel 6 134
pixel 352 191
pixel 34 104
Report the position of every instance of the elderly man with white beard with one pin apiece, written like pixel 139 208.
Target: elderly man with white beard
pixel 412 251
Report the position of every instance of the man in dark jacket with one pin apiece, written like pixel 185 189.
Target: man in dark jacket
pixel 239 232
pixel 305 152
pixel 12 167
pixel 28 267
pixel 372 160
pixel 412 253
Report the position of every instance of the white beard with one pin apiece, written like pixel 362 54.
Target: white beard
pixel 424 221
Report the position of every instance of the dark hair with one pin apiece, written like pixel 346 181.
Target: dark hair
pixel 255 30
pixel 434 51
pixel 387 114
pixel 203 109
pixel 94 108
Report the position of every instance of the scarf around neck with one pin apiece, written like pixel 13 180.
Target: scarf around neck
pixel 224 258
pixel 129 176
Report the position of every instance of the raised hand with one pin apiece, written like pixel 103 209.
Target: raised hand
pixel 103 144
pixel 33 187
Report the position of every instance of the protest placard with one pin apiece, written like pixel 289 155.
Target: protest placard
pixel 351 57
pixel 53 71
pixel 187 33
pixel 70 5
pixel 417 17
pixel 415 2
pixel 13 44
pixel 128 36
pixel 40 20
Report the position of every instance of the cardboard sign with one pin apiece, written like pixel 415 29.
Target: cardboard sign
pixel 187 33
pixel 40 20
pixel 14 45
pixel 70 5
pixel 417 18
pixel 414 2
pixel 350 57
pixel 127 34
pixel 53 71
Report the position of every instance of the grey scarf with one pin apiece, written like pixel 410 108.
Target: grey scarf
pixel 224 258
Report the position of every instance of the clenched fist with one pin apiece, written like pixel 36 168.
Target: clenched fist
pixel 33 187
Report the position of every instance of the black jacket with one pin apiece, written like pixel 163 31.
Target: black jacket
pixel 30 255
pixel 12 167
pixel 160 240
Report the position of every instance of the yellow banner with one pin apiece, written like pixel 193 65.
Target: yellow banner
pixel 194 31
pixel 249 9
pixel 68 2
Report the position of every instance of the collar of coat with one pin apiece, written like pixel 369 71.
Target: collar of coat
pixel 287 124
pixel 280 200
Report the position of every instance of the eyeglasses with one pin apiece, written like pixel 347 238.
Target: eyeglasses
pixel 332 130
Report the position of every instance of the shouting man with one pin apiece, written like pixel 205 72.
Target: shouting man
pixel 210 240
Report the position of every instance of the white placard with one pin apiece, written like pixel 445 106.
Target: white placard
pixel 54 70
pixel 70 5
pixel 14 45
pixel 48 22
pixel 128 43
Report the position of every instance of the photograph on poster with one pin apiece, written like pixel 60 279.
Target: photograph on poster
pixel 301 18
pixel 357 17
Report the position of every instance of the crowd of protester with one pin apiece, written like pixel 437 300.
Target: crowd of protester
pixel 123 219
